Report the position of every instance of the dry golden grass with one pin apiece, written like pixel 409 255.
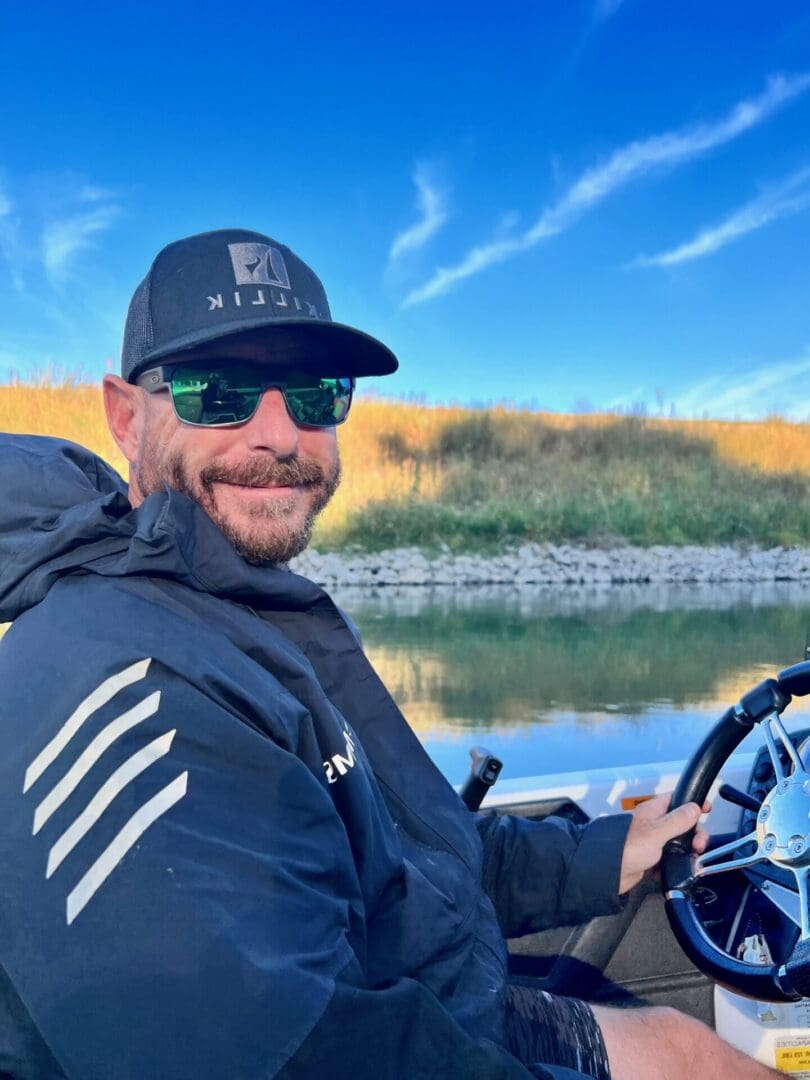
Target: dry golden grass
pixel 74 411
pixel 69 411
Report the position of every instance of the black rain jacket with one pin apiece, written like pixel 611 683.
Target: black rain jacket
pixel 223 851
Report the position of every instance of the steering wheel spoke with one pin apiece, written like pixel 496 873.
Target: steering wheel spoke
pixel 702 867
pixel 773 723
pixel 780 888
pixel 773 751
pixel 800 873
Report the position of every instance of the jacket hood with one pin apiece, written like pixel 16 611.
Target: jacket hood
pixel 65 511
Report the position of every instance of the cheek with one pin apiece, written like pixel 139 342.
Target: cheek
pixel 320 445
pixel 168 442
pixel 159 427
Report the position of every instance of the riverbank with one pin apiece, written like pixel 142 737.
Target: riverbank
pixel 557 564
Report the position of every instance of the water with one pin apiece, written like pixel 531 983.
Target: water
pixel 553 679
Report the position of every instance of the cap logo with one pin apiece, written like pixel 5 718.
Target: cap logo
pixel 259 264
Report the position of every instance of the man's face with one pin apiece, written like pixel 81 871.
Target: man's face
pixel 263 482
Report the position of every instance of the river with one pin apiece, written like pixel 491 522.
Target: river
pixel 558 679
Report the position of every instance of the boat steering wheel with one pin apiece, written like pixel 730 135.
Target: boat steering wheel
pixel 780 838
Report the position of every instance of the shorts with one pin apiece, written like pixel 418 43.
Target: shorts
pixel 544 1028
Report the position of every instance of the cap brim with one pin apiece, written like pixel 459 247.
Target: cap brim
pixel 328 347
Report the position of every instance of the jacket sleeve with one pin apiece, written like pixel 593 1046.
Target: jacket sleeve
pixel 188 906
pixel 541 874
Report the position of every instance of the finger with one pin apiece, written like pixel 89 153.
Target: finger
pixel 654 807
pixel 700 841
pixel 678 821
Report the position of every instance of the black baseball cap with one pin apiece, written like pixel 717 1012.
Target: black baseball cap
pixel 236 285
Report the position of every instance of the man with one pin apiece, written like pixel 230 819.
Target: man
pixel 224 852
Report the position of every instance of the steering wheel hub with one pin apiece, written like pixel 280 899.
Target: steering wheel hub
pixel 783 823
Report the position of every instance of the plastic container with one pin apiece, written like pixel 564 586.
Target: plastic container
pixel 774 1035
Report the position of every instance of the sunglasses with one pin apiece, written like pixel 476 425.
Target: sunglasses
pixel 224 394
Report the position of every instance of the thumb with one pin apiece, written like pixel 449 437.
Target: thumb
pixel 678 821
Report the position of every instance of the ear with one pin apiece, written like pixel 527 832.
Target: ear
pixel 124 406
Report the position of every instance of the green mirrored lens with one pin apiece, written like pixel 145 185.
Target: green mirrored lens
pixel 222 396
pixel 319 402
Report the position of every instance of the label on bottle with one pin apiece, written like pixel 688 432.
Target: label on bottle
pixel 793 1056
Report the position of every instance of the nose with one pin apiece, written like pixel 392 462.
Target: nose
pixel 271 427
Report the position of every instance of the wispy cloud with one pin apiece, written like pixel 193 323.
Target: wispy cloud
pixel 779 387
pixel 45 222
pixel 9 244
pixel 93 193
pixel 62 239
pixel 788 198
pixel 627 400
pixel 626 164
pixel 430 202
pixel 603 9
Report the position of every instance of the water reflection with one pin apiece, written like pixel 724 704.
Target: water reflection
pixel 559 679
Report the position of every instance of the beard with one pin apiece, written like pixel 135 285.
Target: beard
pixel 269 536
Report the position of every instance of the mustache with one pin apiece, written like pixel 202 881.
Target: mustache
pixel 287 472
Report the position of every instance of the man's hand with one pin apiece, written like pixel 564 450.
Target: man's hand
pixel 650 829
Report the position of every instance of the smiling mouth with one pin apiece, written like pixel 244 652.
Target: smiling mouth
pixel 261 487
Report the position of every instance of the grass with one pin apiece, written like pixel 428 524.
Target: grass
pixel 475 480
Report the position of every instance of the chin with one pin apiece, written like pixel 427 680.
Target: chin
pixel 268 541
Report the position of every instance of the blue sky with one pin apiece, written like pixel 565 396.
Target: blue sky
pixel 565 203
